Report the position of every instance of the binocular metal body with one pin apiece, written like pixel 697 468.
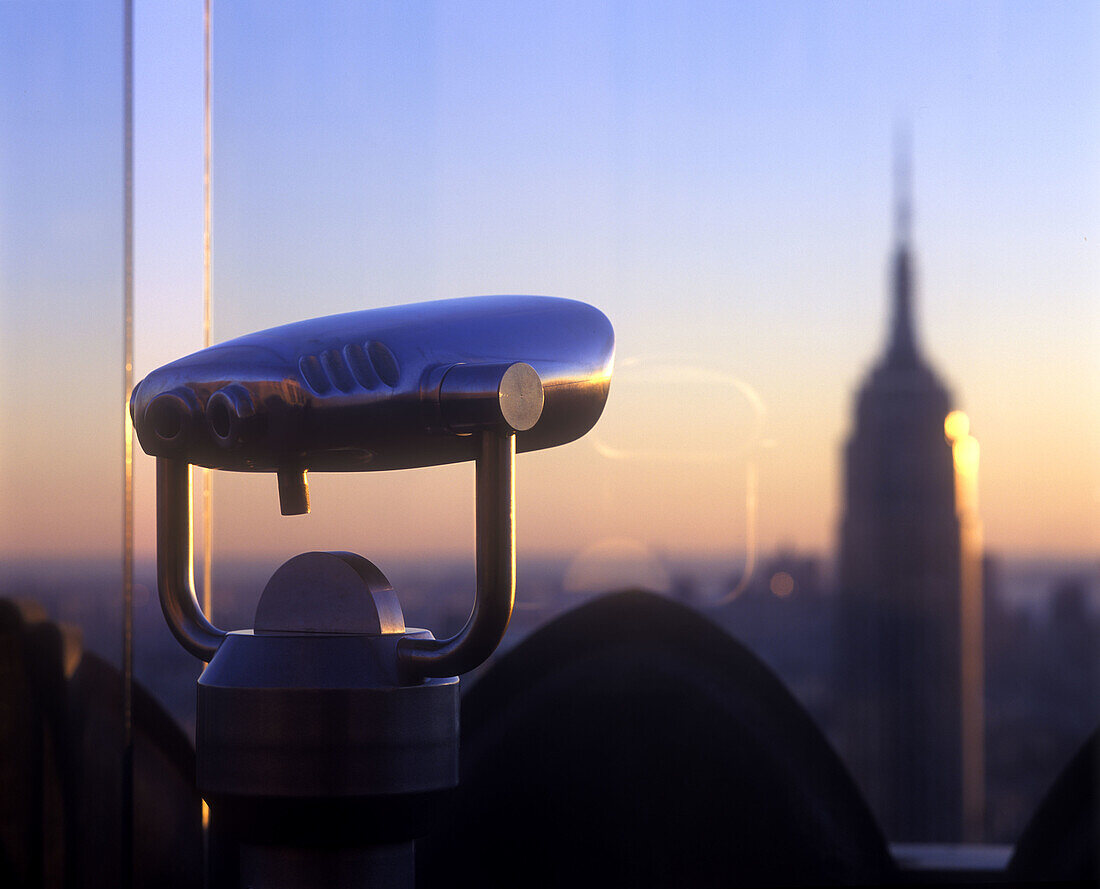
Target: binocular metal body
pixel 389 388
pixel 326 733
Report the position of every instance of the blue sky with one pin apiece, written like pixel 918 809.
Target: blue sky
pixel 716 177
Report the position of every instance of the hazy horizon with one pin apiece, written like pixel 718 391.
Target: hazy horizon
pixel 717 180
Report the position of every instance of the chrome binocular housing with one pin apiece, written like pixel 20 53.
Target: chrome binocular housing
pixel 330 710
pixel 393 388
pixel 390 388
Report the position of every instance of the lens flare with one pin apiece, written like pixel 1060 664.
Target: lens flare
pixel 782 584
pixel 616 563
pixel 666 412
pixel 956 425
pixel 966 453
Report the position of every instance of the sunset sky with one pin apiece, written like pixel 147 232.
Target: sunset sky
pixel 716 177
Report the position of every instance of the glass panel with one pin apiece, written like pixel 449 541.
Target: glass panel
pixel 354 166
pixel 168 210
pixel 61 312
pixel 722 182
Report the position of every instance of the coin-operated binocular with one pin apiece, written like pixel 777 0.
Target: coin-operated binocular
pixel 327 732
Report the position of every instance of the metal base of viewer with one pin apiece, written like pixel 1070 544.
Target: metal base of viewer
pixel 319 760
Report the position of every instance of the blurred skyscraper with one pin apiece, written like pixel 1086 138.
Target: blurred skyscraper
pixel 898 634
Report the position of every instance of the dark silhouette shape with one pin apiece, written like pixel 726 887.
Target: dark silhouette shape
pixel 167 807
pixel 1062 839
pixel 61 768
pixel 633 743
pixel 34 822
pixel 898 643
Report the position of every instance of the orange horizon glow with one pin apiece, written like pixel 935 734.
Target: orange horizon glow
pixel 567 500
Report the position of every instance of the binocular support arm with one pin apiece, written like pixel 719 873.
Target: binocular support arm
pixel 496 571
pixel 175 562
pixel 419 658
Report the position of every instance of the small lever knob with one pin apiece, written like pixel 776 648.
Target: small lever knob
pixel 293 492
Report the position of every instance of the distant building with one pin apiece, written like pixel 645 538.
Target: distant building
pixel 898 655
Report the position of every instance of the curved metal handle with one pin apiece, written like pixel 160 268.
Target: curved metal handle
pixel 496 571
pixel 175 562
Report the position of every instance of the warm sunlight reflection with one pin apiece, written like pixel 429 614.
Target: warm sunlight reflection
pixel 617 563
pixel 966 453
pixel 680 443
pixel 668 411
pixel 956 425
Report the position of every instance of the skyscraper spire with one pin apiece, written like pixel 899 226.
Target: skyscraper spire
pixel 899 651
pixel 902 348
pixel 903 187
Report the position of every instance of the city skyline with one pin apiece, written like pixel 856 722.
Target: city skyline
pixel 900 633
pixel 779 525
pixel 717 183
